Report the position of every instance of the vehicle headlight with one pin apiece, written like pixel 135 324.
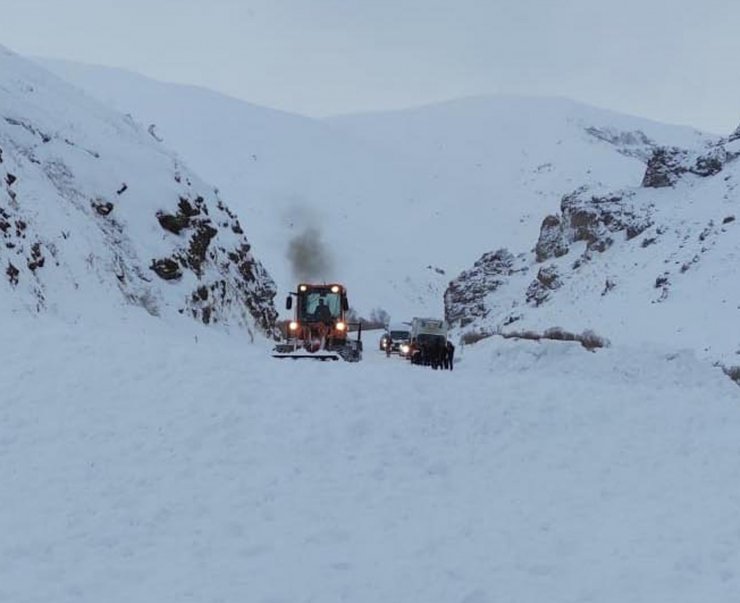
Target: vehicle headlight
pixel 404 348
pixel 293 326
pixel 341 326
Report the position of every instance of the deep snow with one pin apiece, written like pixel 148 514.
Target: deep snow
pixel 155 461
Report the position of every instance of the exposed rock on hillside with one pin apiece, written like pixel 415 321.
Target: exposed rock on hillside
pixel 167 244
pixel 585 217
pixel 672 252
pixel 664 168
pixel 551 243
pixel 667 165
pixel 590 218
pixel 548 280
pixel 465 296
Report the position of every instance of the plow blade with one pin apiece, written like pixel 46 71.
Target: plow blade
pixel 309 355
pixel 288 351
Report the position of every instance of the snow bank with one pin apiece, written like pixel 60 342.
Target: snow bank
pixel 149 462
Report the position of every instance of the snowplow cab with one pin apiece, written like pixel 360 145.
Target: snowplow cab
pixel 319 328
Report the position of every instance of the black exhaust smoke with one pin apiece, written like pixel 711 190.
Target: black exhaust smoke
pixel 309 257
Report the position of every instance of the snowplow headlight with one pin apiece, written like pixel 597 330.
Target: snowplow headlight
pixel 341 326
pixel 404 348
pixel 335 289
pixel 293 326
pixel 303 288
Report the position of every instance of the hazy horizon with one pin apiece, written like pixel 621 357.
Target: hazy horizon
pixel 332 57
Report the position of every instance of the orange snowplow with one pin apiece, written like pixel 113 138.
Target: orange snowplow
pixel 319 328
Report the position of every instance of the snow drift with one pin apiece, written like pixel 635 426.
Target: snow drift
pixel 533 472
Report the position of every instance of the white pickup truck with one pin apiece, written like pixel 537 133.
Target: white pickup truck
pixel 396 336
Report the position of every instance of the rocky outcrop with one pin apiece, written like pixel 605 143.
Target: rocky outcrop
pixel 219 279
pixel 169 244
pixel 607 257
pixel 711 163
pixel 664 167
pixel 229 280
pixel 591 218
pixel 166 269
pixel 22 250
pixel 584 216
pixel 668 164
pixel 465 297
pixel 547 281
pixel 551 242
pixel 594 218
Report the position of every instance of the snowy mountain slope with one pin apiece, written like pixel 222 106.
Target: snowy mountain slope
pixel 657 263
pixel 160 461
pixel 503 160
pixel 95 214
pixel 420 191
pixel 532 472
pixel 482 142
pixel 287 175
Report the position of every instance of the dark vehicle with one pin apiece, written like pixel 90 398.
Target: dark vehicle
pixel 383 343
pixel 319 328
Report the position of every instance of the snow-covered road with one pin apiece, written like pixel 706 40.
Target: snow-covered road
pixel 141 465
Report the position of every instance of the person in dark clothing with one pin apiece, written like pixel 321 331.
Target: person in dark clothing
pixel 449 355
pixel 322 312
pixel 415 354
pixel 424 354
pixel 437 353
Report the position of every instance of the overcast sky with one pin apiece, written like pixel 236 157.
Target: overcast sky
pixel 672 60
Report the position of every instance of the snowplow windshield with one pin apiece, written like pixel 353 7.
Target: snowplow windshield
pixel 312 301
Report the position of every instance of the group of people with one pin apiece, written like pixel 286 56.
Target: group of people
pixel 439 354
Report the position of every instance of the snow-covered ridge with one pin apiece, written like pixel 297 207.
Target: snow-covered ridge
pixel 95 213
pixel 655 263
pixel 403 200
